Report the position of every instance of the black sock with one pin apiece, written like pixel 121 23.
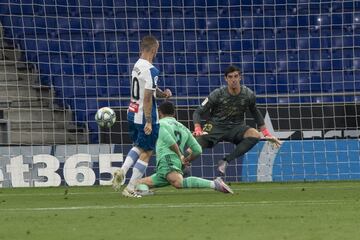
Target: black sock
pixel 244 146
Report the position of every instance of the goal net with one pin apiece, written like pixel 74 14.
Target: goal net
pixel 61 60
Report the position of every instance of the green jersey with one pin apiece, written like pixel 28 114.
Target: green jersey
pixel 171 132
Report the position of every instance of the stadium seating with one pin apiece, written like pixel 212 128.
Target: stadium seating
pixel 86 48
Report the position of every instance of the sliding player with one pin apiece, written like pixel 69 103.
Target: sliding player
pixel 173 138
pixel 226 107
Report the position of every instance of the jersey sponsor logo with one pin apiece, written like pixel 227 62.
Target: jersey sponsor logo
pixel 134 107
pixel 205 102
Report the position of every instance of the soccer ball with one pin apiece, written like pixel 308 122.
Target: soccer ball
pixel 105 117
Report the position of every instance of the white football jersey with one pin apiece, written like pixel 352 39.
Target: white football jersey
pixel 144 76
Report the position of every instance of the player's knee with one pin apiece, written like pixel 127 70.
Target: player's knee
pixel 252 132
pixel 177 184
pixel 146 155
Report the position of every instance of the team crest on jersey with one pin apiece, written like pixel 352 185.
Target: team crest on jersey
pixel 205 102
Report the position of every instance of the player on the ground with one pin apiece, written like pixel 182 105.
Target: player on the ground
pixel 142 116
pixel 174 137
pixel 226 107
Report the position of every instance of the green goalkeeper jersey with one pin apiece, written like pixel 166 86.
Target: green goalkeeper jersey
pixel 171 132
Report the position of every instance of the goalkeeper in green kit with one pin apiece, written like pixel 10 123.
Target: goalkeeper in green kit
pixel 173 138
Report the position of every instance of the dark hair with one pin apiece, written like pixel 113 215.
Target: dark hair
pixel 167 108
pixel 148 42
pixel 232 68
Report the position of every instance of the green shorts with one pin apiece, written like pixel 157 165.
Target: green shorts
pixel 166 165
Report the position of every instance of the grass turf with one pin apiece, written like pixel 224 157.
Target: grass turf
pixel 325 210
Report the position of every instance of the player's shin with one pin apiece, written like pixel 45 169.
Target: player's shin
pixel 195 182
pixel 131 158
pixel 138 171
pixel 243 147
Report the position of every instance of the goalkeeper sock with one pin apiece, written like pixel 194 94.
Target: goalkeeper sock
pixel 195 182
pixel 131 158
pixel 138 171
pixel 243 147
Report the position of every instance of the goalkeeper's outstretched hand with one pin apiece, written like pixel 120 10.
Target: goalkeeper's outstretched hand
pixel 198 132
pixel 276 142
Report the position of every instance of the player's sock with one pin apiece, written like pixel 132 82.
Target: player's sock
pixel 195 182
pixel 138 171
pixel 243 147
pixel 131 158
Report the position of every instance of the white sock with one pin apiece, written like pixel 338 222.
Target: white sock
pixel 138 171
pixel 131 158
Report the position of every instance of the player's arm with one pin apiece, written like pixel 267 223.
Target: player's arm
pixel 204 108
pixel 148 93
pixel 194 149
pixel 150 77
pixel 259 119
pixel 163 94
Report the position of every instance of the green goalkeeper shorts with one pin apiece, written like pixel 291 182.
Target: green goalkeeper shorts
pixel 166 165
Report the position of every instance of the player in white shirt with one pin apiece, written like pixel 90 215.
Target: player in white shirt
pixel 142 116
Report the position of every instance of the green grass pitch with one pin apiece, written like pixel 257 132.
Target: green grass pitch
pixel 325 210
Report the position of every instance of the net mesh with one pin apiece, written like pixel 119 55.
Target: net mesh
pixel 61 60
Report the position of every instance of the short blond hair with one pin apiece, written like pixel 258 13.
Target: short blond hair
pixel 148 42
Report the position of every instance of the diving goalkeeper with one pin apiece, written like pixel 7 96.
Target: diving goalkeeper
pixel 173 138
pixel 226 107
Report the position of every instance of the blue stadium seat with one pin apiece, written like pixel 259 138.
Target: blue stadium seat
pixel 315 43
pixel 302 21
pixel 224 23
pixel 191 46
pixel 247 64
pixel 337 19
pixel 235 11
pixel 247 22
pixel 170 23
pixel 52 7
pixel 155 24
pixel 96 3
pixel 189 13
pixel 248 45
pixel 259 63
pixel 236 23
pixel 303 43
pixel 18 7
pixel 67 81
pixel 277 40
pixel 266 44
pixel 213 23
pixel 216 80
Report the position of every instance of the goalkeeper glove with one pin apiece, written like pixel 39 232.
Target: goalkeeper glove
pixel 266 132
pixel 197 131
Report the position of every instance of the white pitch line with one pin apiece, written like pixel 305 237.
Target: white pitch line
pixel 237 188
pixel 185 205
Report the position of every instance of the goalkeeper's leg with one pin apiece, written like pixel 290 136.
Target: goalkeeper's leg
pixel 244 142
